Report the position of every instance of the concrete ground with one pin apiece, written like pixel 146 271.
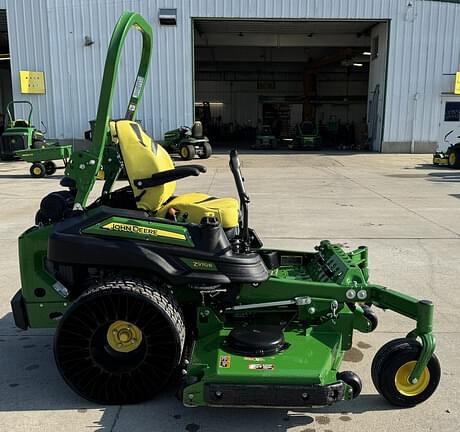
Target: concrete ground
pixel 404 209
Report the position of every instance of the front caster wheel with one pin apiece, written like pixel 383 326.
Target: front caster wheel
pixel 391 368
pixel 371 316
pixel 120 341
pixel 353 380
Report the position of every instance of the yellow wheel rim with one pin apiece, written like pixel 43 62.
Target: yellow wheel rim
pixel 124 336
pixel 402 380
pixel 37 171
pixel 452 159
pixel 184 152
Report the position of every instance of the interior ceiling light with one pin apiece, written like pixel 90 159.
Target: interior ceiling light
pixel 357 64
pixel 368 53
pixel 210 103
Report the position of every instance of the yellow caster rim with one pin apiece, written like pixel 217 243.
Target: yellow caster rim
pixel 402 380
pixel 452 159
pixel 37 171
pixel 124 336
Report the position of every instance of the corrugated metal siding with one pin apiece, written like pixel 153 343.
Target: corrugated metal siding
pixel 49 35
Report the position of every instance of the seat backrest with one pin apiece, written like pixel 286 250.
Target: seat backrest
pixel 307 127
pixel 197 130
pixel 142 158
pixel 21 123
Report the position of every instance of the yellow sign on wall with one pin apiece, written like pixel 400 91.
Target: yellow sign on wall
pixel 32 82
pixel 457 83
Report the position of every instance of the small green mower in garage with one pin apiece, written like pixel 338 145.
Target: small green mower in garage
pixel 188 142
pixel 142 285
pixel 265 139
pixel 306 137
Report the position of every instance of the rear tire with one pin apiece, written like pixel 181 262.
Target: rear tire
pixel 187 152
pixel 120 341
pixel 50 167
pixel 37 170
pixel 207 151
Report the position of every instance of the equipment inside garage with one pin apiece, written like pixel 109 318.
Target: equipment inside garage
pixel 279 74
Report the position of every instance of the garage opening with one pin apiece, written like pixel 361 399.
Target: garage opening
pixel 287 79
pixel 6 89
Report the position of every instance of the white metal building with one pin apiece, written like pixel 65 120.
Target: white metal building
pixel 387 64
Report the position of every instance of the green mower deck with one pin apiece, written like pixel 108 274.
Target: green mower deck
pixel 137 299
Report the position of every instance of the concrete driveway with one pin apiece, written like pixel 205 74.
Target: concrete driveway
pixel 405 210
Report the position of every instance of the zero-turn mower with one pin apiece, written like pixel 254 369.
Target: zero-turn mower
pixel 142 285
pixel 23 140
pixel 19 134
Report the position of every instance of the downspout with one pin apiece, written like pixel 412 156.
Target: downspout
pixel 414 117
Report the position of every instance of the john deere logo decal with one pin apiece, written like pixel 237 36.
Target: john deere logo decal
pixel 141 230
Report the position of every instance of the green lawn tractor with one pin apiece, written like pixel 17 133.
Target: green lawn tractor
pixel 142 286
pixel 20 134
pixel 188 142
pixel 306 137
pixel 265 139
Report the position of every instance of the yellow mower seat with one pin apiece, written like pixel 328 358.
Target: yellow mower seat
pixel 143 158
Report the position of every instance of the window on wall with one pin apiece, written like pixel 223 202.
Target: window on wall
pixel 375 47
pixel 452 112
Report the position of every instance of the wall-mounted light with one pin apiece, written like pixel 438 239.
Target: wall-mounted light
pixel 168 17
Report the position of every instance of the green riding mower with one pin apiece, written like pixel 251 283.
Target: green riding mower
pixel 19 134
pixel 306 137
pixel 188 142
pixel 143 285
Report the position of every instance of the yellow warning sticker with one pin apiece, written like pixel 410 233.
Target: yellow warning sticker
pixel 225 361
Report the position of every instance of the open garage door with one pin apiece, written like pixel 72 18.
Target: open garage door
pixel 280 75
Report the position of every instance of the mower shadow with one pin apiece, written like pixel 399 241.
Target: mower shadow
pixel 440 174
